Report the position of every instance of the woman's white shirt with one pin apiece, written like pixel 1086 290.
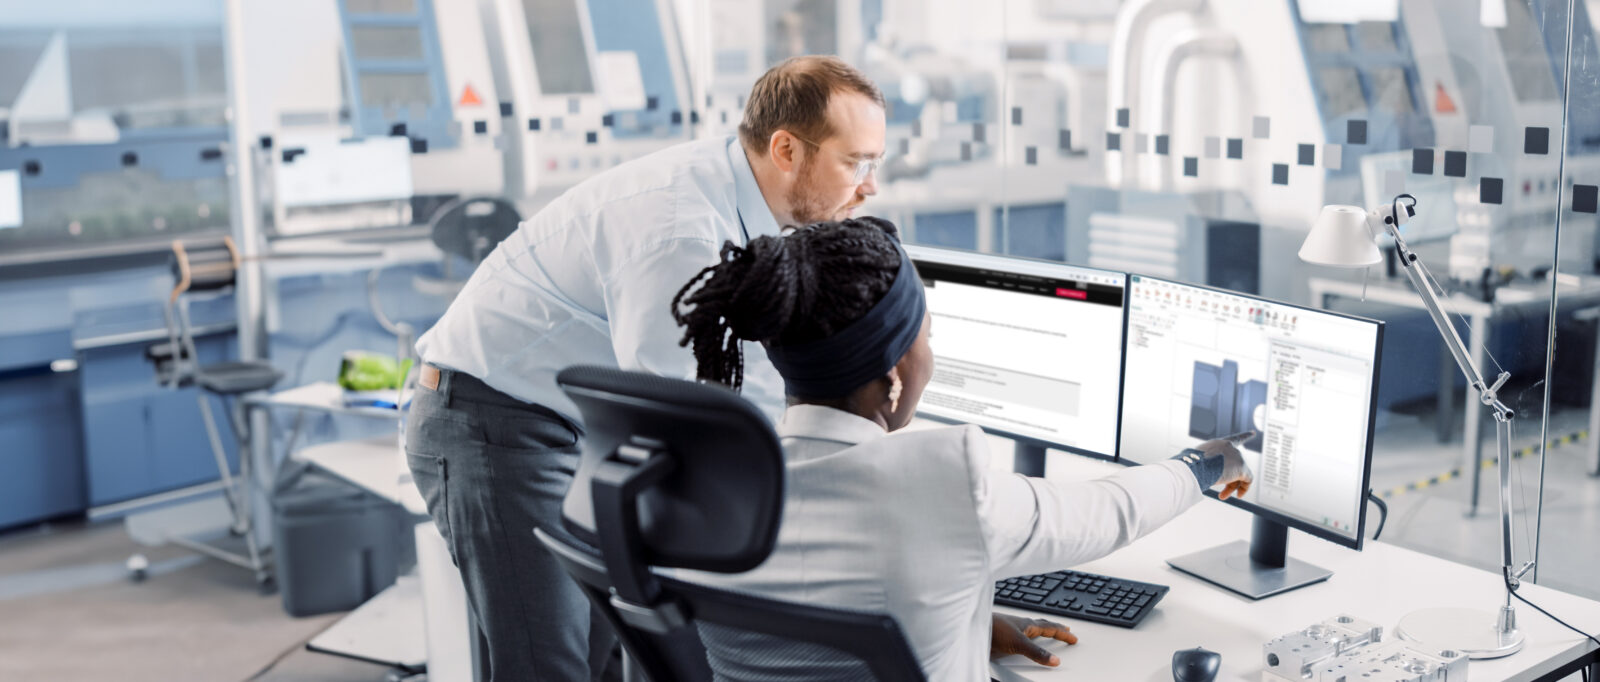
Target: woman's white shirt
pixel 916 525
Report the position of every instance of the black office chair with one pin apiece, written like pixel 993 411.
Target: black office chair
pixel 472 227
pixel 463 228
pixel 209 268
pixel 677 474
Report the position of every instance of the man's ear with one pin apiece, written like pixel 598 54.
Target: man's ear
pixel 784 150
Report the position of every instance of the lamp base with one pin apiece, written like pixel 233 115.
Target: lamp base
pixel 1469 631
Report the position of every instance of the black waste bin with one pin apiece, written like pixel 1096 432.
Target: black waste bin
pixel 334 545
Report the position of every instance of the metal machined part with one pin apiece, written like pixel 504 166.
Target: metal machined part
pixel 1394 661
pixel 1297 655
pixel 1349 649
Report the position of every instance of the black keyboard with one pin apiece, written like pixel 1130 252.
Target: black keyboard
pixel 1083 596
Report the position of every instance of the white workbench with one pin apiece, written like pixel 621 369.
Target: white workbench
pixel 1381 584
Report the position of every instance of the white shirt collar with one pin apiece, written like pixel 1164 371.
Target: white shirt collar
pixel 825 423
pixel 753 209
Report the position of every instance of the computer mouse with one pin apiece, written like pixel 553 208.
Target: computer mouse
pixel 1195 665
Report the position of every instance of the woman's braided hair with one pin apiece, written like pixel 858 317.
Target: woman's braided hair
pixel 803 286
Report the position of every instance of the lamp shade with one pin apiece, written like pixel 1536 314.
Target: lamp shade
pixel 1340 238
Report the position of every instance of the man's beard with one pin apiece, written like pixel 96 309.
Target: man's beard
pixel 806 205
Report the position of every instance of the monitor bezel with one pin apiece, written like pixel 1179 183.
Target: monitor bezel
pixel 913 250
pixel 1360 534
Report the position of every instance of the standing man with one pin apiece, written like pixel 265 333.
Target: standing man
pixel 492 442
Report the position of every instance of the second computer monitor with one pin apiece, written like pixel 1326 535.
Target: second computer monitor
pixel 1205 363
pixel 1027 349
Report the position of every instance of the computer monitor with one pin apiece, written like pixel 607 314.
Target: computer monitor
pixel 1026 349
pixel 1207 363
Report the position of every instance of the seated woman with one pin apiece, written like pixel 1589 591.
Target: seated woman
pixel 911 523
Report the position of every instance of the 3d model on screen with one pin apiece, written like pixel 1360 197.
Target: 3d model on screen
pixel 1220 404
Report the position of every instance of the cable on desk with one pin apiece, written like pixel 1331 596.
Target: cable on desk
pixel 1510 587
pixel 1383 509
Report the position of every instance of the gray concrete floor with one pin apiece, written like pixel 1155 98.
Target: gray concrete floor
pixel 69 612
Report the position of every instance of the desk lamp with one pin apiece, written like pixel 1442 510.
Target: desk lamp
pixel 1346 236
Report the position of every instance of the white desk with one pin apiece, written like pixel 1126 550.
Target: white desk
pixel 321 396
pixel 1380 584
pixel 388 630
pixel 373 464
pixel 419 623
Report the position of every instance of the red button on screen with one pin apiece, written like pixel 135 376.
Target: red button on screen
pixel 1072 293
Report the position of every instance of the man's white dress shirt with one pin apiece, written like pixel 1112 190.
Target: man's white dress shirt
pixel 590 279
pixel 914 524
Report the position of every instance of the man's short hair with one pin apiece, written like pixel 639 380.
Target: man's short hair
pixel 794 95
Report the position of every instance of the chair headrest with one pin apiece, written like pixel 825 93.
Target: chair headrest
pixel 719 507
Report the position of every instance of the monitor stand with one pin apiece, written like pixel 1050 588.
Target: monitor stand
pixel 1257 569
pixel 1028 459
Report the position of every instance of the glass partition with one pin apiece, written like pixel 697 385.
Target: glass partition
pixel 1198 141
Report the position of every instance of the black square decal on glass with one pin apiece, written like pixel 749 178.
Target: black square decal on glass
pixel 978 132
pixel 905 147
pixel 419 146
pixel 591 137
pixel 1191 167
pixel 677 118
pixel 1422 161
pixel 1280 174
pixel 966 151
pixel 651 103
pixel 916 127
pixel 130 159
pixel 1113 142
pixel 1064 140
pixel 1032 156
pixel 480 127
pixel 1307 155
pixel 1585 199
pixel 1162 145
pixel 1016 116
pixel 1455 164
pixel 1490 190
pixel 694 118
pixel 608 120
pixel 30 168
pixel 1122 118
pixel 1536 141
pixel 505 110
pixel 1235 148
pixel 1355 132
pixel 724 118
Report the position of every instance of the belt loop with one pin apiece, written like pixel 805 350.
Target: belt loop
pixel 445 382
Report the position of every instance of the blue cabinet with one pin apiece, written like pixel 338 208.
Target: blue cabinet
pixel 39 446
pixel 140 438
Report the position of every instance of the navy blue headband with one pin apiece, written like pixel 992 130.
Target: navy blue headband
pixel 867 349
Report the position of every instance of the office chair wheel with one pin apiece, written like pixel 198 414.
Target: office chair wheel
pixel 138 568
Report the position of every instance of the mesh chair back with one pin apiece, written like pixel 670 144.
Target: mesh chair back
pixel 683 475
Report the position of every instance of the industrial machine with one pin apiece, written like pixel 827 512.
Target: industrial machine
pixel 418 122
pixel 588 84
